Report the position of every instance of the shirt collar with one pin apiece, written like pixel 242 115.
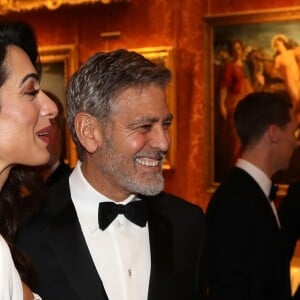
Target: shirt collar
pixel 257 174
pixel 86 199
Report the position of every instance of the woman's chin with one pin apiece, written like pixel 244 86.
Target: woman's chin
pixel 38 160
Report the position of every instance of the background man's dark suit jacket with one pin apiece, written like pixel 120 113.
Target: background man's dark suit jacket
pixel 289 214
pixel 246 259
pixel 55 243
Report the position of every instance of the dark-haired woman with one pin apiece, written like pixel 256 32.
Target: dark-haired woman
pixel 25 114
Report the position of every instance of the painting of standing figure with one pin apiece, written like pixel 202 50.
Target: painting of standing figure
pixel 246 53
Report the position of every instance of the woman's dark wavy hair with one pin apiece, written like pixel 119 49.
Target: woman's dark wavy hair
pixel 22 35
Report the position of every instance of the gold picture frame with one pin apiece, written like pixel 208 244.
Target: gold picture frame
pixel 166 56
pixel 256 30
pixel 58 64
pixel 26 5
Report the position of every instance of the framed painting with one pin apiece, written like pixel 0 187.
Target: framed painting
pixel 166 56
pixel 7 6
pixel 245 53
pixel 58 64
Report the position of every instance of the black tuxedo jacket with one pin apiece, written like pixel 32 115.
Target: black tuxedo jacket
pixel 65 270
pixel 58 173
pixel 246 258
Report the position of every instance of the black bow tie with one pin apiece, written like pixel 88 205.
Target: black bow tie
pixel 273 192
pixel 134 211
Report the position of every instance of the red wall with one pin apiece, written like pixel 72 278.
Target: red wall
pixel 147 24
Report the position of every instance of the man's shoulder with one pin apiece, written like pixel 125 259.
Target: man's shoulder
pixel 238 181
pixel 165 199
pixel 237 191
pixel 57 198
pixel 58 194
pixel 172 206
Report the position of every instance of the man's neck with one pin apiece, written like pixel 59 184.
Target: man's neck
pixel 260 160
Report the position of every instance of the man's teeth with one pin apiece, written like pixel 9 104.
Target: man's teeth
pixel 148 162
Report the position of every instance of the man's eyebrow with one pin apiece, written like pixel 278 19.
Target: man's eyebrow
pixel 144 119
pixel 31 75
pixel 148 119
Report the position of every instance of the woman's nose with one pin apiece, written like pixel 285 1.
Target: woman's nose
pixel 48 107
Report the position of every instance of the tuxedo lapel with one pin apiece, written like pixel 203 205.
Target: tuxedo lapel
pixel 160 237
pixel 66 239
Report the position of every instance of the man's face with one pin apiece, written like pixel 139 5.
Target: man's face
pixel 55 144
pixel 136 142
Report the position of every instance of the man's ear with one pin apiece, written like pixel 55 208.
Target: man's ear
pixel 273 133
pixel 89 131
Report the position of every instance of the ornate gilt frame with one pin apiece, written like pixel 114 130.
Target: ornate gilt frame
pixel 68 55
pixel 23 5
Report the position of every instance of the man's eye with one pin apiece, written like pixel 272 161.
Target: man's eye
pixel 146 126
pixel 166 125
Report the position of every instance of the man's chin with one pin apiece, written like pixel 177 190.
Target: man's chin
pixel 148 189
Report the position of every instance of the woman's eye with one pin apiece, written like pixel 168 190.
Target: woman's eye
pixel 32 93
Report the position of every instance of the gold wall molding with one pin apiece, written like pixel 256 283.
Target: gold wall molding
pixel 7 6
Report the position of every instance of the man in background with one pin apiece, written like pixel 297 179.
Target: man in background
pixel 56 166
pixel 246 257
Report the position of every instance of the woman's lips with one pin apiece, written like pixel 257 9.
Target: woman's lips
pixel 43 134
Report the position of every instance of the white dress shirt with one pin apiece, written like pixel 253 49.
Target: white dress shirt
pixel 262 180
pixel 121 253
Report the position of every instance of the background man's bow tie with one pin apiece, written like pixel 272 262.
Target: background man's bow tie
pixel 134 211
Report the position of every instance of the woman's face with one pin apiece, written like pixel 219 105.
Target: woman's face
pixel 237 50
pixel 279 45
pixel 25 113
